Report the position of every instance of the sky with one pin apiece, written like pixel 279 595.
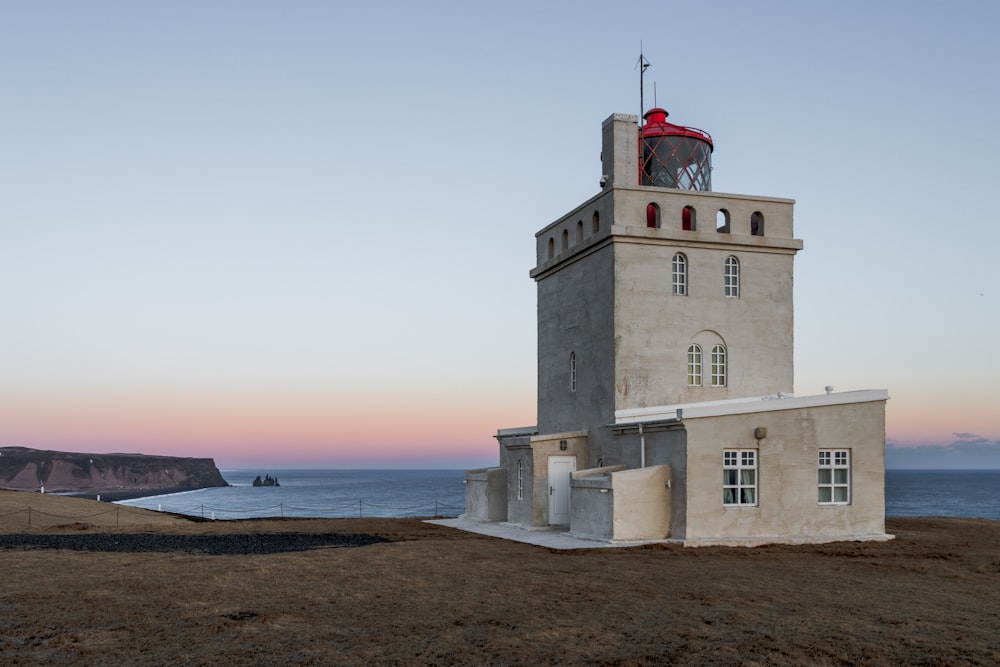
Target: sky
pixel 299 233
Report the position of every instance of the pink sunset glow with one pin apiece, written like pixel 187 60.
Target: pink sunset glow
pixel 285 431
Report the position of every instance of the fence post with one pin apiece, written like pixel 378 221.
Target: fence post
pixel 361 512
pixel 281 508
pixel 29 516
pixel 118 510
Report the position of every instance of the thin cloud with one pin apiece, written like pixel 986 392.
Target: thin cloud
pixel 974 452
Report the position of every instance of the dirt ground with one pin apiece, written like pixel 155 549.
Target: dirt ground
pixel 437 596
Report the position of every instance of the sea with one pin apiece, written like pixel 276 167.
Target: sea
pixel 409 493
pixel 321 493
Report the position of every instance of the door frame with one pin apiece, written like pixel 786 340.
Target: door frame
pixel 554 492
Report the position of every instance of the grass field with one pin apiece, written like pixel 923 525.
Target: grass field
pixel 434 595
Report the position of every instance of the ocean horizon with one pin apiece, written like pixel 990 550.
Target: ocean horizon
pixel 387 493
pixel 320 493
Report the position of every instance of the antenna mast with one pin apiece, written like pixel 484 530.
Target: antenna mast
pixel 642 64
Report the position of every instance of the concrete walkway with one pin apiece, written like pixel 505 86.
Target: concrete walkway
pixel 553 537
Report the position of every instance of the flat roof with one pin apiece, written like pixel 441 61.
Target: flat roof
pixel 741 406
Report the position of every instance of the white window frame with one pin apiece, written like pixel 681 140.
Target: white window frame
pixel 520 479
pixel 739 478
pixel 679 275
pixel 731 277
pixel 834 477
pixel 719 374
pixel 694 365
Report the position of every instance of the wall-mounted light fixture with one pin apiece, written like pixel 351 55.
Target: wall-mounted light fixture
pixel 760 432
pixel 563 445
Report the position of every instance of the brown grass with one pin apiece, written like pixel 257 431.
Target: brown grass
pixel 440 596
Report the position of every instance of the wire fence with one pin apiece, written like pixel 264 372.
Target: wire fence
pixel 34 516
pixel 347 510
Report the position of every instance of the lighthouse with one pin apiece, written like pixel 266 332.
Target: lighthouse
pixel 665 328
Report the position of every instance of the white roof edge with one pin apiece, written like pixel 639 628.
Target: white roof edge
pixel 740 406
pixel 542 437
pixel 520 430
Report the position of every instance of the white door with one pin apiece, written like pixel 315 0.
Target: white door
pixel 559 469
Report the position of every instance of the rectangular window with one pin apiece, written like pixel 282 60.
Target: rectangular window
pixel 834 476
pixel 739 477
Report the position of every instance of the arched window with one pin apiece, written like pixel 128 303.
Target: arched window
pixel 757 223
pixel 520 479
pixel 565 239
pixel 552 248
pixel 694 366
pixel 731 277
pixel 679 275
pixel 718 366
pixel 595 223
pixel 652 216
pixel 689 219
pixel 579 231
pixel 722 221
pixel 572 371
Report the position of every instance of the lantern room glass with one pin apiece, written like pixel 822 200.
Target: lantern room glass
pixel 673 161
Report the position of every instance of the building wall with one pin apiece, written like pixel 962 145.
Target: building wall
pixel 663 448
pixel 592 507
pixel 615 504
pixel 520 510
pixel 788 509
pixel 619 150
pixel 655 327
pixel 641 503
pixel 605 294
pixel 575 306
pixel 486 494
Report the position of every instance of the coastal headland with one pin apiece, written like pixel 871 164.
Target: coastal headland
pixel 113 476
pixel 146 590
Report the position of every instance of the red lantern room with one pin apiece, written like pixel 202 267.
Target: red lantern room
pixel 673 156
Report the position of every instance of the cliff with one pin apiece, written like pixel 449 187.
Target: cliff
pixel 26 469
